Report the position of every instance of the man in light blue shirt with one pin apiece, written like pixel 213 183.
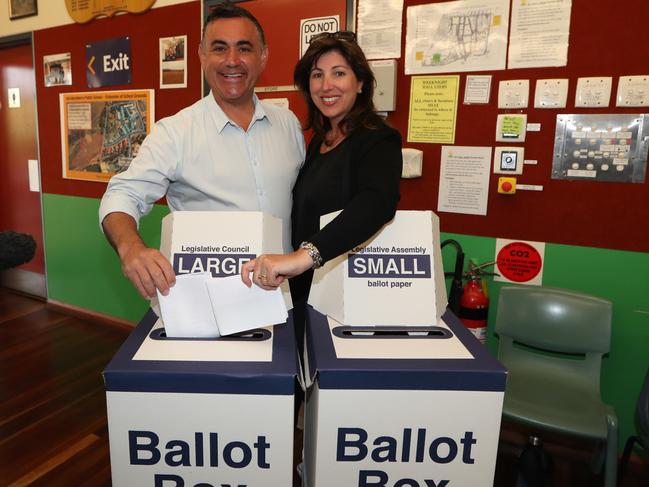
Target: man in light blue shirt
pixel 225 152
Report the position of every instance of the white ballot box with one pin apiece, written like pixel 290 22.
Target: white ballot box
pixel 209 412
pixel 418 410
pixel 395 278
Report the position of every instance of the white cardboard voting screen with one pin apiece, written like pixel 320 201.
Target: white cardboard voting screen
pixel 395 278
pixel 216 245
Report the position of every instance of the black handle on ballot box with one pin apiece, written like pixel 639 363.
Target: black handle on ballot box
pixel 256 335
pixel 392 332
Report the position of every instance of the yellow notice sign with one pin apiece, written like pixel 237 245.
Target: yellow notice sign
pixel 433 109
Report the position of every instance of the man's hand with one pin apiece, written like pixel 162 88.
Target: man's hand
pixel 146 268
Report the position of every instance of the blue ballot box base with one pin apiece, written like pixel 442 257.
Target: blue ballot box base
pixel 388 409
pixel 186 412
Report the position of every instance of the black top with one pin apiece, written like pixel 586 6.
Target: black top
pixel 359 176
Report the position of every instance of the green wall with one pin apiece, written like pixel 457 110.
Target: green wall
pixel 83 270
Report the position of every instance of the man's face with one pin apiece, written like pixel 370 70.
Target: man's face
pixel 232 59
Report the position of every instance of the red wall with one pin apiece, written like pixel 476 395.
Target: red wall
pixel 281 22
pixel 606 39
pixel 144 30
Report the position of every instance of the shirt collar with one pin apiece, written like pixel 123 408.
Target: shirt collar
pixel 221 119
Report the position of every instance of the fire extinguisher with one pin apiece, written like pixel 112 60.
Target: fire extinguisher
pixel 474 302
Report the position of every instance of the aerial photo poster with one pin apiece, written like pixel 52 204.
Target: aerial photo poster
pixel 101 131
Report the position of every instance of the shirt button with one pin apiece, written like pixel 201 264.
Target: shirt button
pixel 260 192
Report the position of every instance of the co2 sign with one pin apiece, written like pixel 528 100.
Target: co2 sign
pixel 315 26
pixel 520 262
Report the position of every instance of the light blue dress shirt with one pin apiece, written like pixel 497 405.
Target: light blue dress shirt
pixel 203 161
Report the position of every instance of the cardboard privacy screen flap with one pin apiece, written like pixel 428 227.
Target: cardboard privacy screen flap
pixel 219 242
pixel 395 278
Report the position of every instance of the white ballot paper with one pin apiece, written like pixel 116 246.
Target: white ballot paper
pixel 240 308
pixel 186 311
pixel 200 306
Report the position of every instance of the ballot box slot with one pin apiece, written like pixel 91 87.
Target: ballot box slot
pixel 256 335
pixel 392 332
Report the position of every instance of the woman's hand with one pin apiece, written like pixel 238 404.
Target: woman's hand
pixel 271 270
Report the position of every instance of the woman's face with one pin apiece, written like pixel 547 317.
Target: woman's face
pixel 333 86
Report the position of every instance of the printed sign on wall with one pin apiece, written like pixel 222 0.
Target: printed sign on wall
pixel 519 262
pixel 108 63
pixel 319 25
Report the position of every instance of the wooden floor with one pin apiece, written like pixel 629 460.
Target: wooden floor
pixel 53 428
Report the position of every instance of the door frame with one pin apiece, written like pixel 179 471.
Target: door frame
pixel 22 280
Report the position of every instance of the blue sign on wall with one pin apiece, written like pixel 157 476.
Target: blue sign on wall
pixel 108 63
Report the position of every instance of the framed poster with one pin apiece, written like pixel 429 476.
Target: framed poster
pixel 22 8
pixel 101 131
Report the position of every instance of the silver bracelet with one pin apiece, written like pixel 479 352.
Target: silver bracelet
pixel 314 253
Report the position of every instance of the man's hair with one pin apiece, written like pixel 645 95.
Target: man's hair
pixel 230 11
pixel 363 113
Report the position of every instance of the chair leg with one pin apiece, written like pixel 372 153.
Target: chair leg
pixel 628 448
pixel 610 468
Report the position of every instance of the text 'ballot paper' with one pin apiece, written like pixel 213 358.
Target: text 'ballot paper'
pixel 200 306
pixel 186 311
pixel 239 308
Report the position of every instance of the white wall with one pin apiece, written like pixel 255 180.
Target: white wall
pixel 51 13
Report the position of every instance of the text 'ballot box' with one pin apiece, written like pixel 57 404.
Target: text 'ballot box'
pixel 418 409
pixel 206 412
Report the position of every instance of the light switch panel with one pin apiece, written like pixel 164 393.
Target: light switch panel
pixel 593 92
pixel 551 93
pixel 513 93
pixel 633 91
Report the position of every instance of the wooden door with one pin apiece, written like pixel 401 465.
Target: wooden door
pixel 20 208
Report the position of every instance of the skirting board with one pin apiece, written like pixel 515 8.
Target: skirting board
pixel 27 282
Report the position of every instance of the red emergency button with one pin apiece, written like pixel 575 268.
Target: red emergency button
pixel 507 185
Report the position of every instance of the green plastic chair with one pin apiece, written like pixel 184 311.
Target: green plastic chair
pixel 552 341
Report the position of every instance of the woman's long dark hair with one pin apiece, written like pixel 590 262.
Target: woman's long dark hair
pixel 363 113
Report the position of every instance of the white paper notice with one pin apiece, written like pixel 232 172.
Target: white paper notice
pixel 464 180
pixel 540 33
pixel 239 308
pixel 477 89
pixel 379 28
pixel 186 310
pixel 34 178
pixel 436 42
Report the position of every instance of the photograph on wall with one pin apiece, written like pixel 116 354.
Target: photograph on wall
pixel 101 132
pixel 449 37
pixel 57 69
pixel 22 8
pixel 173 62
